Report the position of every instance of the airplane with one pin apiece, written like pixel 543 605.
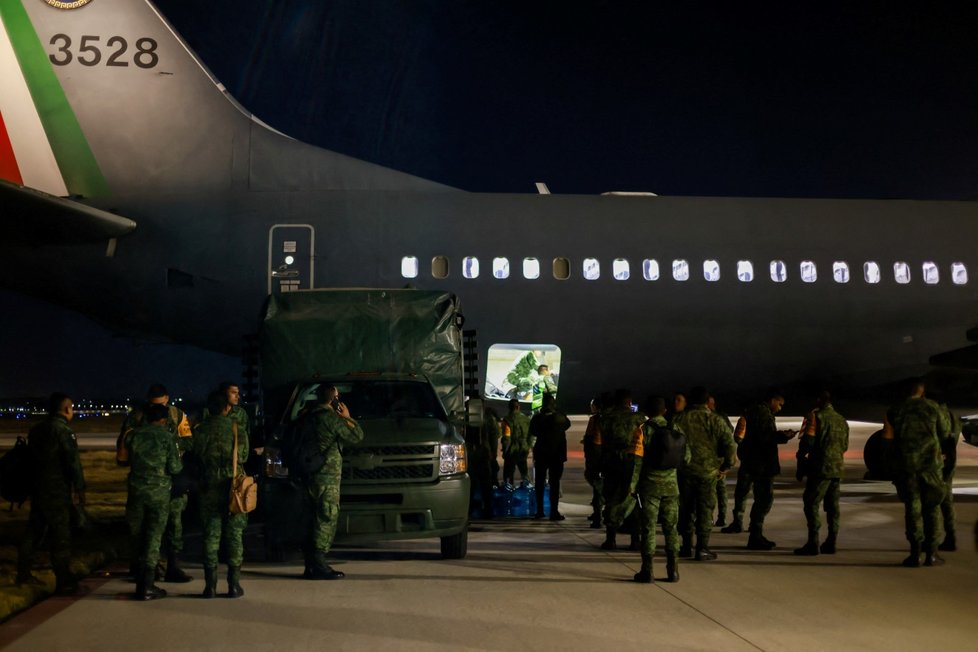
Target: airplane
pixel 136 190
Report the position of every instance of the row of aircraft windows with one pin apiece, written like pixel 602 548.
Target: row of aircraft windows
pixel 681 270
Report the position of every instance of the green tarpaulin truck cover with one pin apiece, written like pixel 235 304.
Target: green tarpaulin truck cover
pixel 334 332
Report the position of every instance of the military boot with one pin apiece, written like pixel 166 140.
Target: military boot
pixel 323 571
pixel 913 560
pixel 635 544
pixel 672 567
pixel 828 546
pixel 644 575
pixel 810 549
pixel 704 554
pixel 160 571
pixel 757 540
pixel 610 540
pixel 931 558
pixel 210 582
pixel 686 548
pixel 949 544
pixel 173 571
pixel 234 582
pixel 735 527
pixel 145 587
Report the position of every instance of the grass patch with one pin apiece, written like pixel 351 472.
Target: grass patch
pixel 93 548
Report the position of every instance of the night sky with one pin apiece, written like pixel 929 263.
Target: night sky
pixel 865 100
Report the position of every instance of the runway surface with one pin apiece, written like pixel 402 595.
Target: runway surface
pixel 541 585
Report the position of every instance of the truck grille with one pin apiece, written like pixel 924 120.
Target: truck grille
pixel 371 464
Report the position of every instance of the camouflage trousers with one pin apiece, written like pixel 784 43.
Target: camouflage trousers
pixel 722 497
pixel 512 462
pixel 822 492
pixel 322 495
pixel 947 505
pixel 664 510
pixel 55 518
pixel 173 534
pixel 763 488
pixel 146 516
pixel 217 522
pixel 697 501
pixel 921 494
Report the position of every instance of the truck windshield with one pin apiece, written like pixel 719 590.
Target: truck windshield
pixel 379 399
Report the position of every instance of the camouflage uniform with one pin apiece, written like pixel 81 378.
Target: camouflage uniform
pixel 153 459
pixel 710 441
pixel 516 446
pixel 492 434
pixel 759 464
pixel 658 490
pixel 179 428
pixel 916 427
pixel 213 446
pixel 820 456
pixel 619 435
pixel 322 488
pixel 58 472
pixel 949 446
pixel 592 469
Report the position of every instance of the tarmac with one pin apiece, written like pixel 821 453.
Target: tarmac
pixel 532 585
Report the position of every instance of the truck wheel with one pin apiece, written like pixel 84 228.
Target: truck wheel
pixel 455 546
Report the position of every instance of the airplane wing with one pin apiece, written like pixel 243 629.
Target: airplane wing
pixel 33 217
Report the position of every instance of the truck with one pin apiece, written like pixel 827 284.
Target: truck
pixel 395 355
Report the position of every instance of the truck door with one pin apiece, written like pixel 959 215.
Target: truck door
pixel 290 257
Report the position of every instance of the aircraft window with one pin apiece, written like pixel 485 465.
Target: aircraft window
pixel 409 266
pixel 711 270
pixel 439 267
pixel 680 270
pixel 561 268
pixel 470 267
pixel 592 268
pixel 871 272
pixel 901 273
pixel 959 273
pixel 808 272
pixel 745 271
pixel 779 273
pixel 931 275
pixel 620 269
pixel 650 269
pixel 840 272
pixel 531 268
pixel 500 267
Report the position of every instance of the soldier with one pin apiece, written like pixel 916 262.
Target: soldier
pixel 153 459
pixel 478 446
pixel 710 440
pixel 543 383
pixel 912 432
pixel 58 483
pixel 179 428
pixel 592 457
pixel 332 426
pixel 949 448
pixel 619 436
pixel 721 487
pixel 759 464
pixel 516 443
pixel 656 484
pixel 821 452
pixel 742 487
pixel 491 426
pixel 549 430
pixel 213 446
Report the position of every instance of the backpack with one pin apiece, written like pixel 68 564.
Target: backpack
pixel 16 472
pixel 301 451
pixel 666 450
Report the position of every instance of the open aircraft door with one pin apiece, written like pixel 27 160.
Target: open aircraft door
pixel 290 257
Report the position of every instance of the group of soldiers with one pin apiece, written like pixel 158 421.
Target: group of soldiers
pixel 919 437
pixel 167 459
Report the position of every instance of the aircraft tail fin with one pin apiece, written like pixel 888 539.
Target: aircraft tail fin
pixel 102 97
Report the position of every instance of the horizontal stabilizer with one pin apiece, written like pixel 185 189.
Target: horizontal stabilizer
pixel 33 217
pixel 966 358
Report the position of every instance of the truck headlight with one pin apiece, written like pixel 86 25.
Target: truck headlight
pixel 452 459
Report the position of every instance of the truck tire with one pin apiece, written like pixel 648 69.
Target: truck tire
pixel 455 546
